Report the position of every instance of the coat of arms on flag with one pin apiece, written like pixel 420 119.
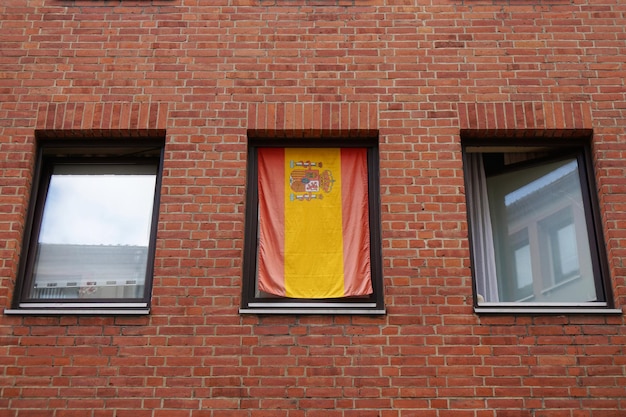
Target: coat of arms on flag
pixel 308 181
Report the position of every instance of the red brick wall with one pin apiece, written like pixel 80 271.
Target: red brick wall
pixel 210 71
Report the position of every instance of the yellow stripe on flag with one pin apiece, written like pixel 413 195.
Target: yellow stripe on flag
pixel 314 265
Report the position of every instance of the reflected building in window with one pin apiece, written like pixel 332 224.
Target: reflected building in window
pixel 534 237
pixel 537 236
pixel 89 271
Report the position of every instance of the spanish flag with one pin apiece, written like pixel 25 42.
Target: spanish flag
pixel 314 239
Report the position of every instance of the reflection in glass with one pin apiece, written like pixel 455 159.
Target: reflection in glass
pixel 95 229
pixel 565 251
pixel 546 202
pixel 523 271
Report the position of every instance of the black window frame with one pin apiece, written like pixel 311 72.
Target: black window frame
pixel 97 151
pixel 578 147
pixel 251 303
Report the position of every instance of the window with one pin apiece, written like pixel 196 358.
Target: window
pixel 312 228
pixel 535 236
pixel 91 228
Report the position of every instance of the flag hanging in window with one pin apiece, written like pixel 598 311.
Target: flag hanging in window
pixel 314 238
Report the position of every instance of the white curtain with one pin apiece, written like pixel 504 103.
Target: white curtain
pixel 482 234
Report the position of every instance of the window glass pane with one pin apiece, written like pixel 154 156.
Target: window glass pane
pixel 545 200
pixel 95 230
pixel 523 270
pixel 567 255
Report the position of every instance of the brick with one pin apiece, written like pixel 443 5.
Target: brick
pixel 210 73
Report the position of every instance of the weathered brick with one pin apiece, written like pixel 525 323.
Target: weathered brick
pixel 209 73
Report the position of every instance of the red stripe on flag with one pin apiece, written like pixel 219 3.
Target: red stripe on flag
pixel 355 219
pixel 271 182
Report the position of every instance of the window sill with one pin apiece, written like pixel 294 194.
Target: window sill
pixel 277 309
pixel 529 308
pixel 97 309
pixel 74 311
